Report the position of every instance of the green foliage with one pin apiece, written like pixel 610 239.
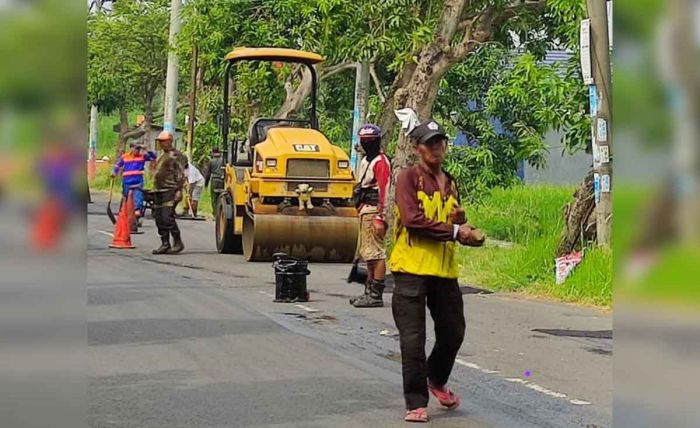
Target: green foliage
pixel 127 54
pixel 529 218
pixel 505 104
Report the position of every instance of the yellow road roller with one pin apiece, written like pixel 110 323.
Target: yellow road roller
pixel 286 187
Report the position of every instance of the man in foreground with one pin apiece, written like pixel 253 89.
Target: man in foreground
pixel 428 222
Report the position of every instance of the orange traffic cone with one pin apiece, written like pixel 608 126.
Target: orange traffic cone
pixel 47 226
pixel 122 234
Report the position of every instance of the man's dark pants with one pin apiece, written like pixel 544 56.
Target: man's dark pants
pixel 444 299
pixel 164 213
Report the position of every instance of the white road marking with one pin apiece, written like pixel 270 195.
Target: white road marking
pixel 544 390
pixel 468 364
pixel 516 380
pixel 307 309
pixel 579 402
pixel 105 233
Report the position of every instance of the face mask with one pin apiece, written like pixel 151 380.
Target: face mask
pixel 371 148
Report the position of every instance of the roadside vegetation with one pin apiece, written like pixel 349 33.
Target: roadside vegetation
pixel 524 224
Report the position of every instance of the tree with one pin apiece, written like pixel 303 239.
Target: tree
pixel 127 60
pixel 505 102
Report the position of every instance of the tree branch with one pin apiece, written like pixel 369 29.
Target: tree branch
pixel 377 84
pixel 330 71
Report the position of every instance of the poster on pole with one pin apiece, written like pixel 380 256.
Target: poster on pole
pixel 593 99
pixel 596 187
pixel 585 47
pixel 604 154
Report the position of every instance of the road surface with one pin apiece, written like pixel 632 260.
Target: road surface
pixel 195 340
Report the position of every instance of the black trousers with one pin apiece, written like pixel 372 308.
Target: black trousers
pixel 444 299
pixel 164 213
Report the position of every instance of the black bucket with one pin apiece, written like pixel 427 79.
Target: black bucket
pixel 290 278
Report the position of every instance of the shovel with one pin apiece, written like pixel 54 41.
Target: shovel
pixel 110 214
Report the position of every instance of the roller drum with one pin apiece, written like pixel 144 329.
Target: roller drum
pixel 316 238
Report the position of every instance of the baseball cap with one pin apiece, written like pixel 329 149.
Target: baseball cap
pixel 427 130
pixel 369 132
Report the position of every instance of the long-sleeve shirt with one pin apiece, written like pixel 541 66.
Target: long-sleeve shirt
pixel 133 166
pixel 170 171
pixel 213 170
pixel 424 234
pixel 376 175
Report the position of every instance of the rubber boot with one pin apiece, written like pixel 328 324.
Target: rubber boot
pixel 361 296
pixel 164 246
pixel 374 298
pixel 178 246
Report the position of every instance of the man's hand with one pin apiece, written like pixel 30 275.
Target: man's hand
pixel 458 215
pixel 379 227
pixel 178 196
pixel 470 236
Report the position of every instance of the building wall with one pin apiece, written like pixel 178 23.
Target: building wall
pixel 562 168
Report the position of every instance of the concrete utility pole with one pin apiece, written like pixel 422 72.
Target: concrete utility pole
pixel 602 120
pixel 92 142
pixel 171 80
pixel 682 45
pixel 193 103
pixel 360 109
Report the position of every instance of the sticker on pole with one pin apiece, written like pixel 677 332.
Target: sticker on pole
pixel 604 153
pixel 605 183
pixel 602 130
pixel 596 187
pixel 585 49
pixel 565 265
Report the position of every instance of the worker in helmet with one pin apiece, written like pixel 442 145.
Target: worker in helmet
pixel 375 172
pixel 169 181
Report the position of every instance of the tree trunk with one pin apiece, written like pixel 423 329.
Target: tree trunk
pixel 123 129
pixel 148 122
pixel 580 228
pixel 295 96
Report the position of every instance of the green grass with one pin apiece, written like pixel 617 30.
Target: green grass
pixel 531 219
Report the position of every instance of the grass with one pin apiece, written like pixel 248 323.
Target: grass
pixel 531 219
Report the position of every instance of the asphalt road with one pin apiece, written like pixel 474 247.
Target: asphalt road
pixel 195 340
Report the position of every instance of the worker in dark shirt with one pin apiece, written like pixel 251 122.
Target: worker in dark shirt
pixel 214 173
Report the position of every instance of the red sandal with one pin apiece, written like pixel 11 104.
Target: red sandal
pixel 417 415
pixel 445 396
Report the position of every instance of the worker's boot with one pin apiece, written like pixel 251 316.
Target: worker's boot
pixel 164 246
pixel 374 298
pixel 361 296
pixel 178 246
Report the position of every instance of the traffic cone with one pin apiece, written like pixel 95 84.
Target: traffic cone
pixel 133 221
pixel 122 235
pixel 47 226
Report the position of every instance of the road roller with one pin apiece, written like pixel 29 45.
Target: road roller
pixel 286 188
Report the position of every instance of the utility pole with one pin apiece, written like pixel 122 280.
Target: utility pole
pixel 171 80
pixel 359 110
pixel 92 142
pixel 601 117
pixel 193 102
pixel 682 46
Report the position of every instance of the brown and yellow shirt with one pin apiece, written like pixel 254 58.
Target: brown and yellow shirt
pixel 423 233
